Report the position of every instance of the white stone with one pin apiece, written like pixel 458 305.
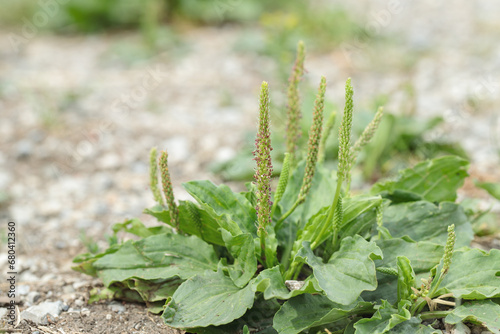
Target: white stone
pixel 109 161
pixel 116 307
pixel 41 313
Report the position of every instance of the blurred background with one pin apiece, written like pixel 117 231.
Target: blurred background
pixel 87 87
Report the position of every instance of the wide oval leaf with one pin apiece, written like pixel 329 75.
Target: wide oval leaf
pixel 473 274
pixel 436 180
pixel 349 271
pixel 485 312
pixel 157 257
pixel 224 201
pixel 424 221
pixel 423 256
pixel 306 311
pixel 208 299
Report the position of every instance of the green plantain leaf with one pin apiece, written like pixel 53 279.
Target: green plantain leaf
pixel 406 278
pixel 423 256
pixel 154 290
pixel 242 248
pixel 473 274
pixel 492 188
pixel 306 311
pixel 484 312
pixel 385 318
pixel 349 271
pixel 136 227
pixel 414 326
pixel 425 221
pixel 271 247
pixel 272 284
pixel 207 299
pixel 192 220
pixel 258 319
pixel 436 180
pixel 224 202
pixel 160 256
pixel 85 262
pixel 359 214
pixel 358 218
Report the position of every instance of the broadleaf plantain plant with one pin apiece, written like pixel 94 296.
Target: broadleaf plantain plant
pixel 312 257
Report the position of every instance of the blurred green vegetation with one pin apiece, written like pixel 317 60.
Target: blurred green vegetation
pixel 282 22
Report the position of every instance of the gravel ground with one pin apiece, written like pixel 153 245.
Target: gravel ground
pixel 79 115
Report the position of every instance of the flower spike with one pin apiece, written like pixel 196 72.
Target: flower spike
pixel 153 176
pixel 168 190
pixel 314 141
pixel 448 249
pixel 293 131
pixel 345 134
pixel 264 168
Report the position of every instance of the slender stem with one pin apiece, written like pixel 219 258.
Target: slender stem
pixel 288 213
pixel 417 306
pixel 285 257
pixel 291 271
pixel 329 218
pixel 434 314
pixel 436 286
pixel 334 241
pixel 263 247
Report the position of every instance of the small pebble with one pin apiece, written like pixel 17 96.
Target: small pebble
pixel 79 302
pixel 109 161
pixel 60 244
pixel 40 313
pixel 23 289
pixel 68 289
pixel 108 316
pixel 32 297
pixel 78 285
pixel 24 149
pixel 116 307
pixel 85 312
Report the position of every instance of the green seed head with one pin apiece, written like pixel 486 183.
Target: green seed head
pixel 367 134
pixel 153 176
pixel 283 181
pixel 338 216
pixel 448 249
pixel 194 215
pixel 314 139
pixel 262 156
pixel 388 271
pixel 345 133
pixel 168 190
pixel 293 107
pixel 380 215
